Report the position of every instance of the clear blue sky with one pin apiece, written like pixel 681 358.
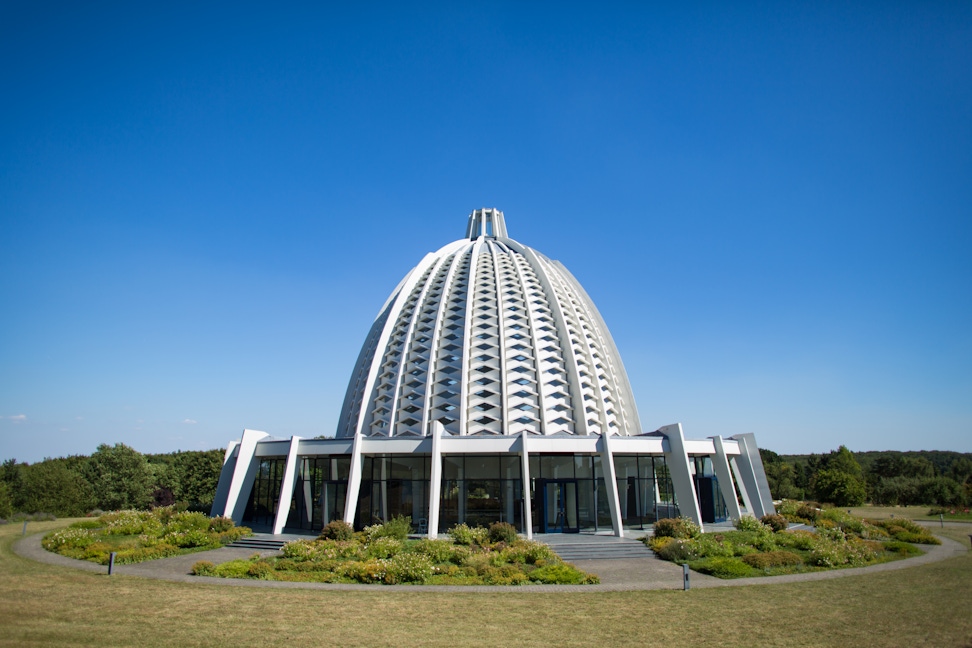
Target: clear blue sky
pixel 203 207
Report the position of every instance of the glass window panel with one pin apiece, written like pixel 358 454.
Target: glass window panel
pixel 451 466
pixel 557 466
pixel 583 466
pixel 511 466
pixel 625 466
pixel 482 467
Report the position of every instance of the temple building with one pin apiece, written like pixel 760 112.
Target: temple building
pixel 489 389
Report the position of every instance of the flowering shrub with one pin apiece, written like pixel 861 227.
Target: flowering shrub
pixel 680 527
pixel 774 521
pixel 142 535
pixel 747 523
pixel 463 534
pixel 840 540
pixel 337 530
pixel 385 559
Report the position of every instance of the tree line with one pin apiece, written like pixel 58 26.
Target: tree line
pixel 886 478
pixel 113 477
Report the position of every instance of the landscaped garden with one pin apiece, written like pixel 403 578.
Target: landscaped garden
pixel 766 547
pixel 136 536
pixel 384 554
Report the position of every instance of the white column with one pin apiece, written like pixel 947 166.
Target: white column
pixel 678 465
pixel 741 483
pixel 527 505
pixel 244 473
pixel 287 487
pixel 751 467
pixel 225 476
pixel 721 464
pixel 435 488
pixel 354 479
pixel 611 484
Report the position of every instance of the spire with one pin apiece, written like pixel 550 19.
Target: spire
pixel 486 222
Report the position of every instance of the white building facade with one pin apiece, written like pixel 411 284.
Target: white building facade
pixel 489 389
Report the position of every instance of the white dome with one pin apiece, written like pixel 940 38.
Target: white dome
pixel 488 337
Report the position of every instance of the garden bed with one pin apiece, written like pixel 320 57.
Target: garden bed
pixel 137 536
pixel 766 548
pixel 383 554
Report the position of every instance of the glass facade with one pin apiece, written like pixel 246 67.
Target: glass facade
pixel 261 508
pixel 645 490
pixel 712 505
pixel 392 486
pixel 320 491
pixel 567 494
pixel 567 491
pixel 479 490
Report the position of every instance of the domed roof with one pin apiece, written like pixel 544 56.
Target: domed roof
pixel 488 337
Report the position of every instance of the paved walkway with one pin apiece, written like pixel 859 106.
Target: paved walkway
pixel 618 575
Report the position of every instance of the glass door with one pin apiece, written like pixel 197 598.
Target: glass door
pixel 559 513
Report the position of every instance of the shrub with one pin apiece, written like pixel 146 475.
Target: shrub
pixel 260 569
pixel 677 551
pixel 724 567
pixel 463 534
pixel 707 546
pixel 772 559
pixel 807 512
pixel 370 571
pixel 86 524
pixel 502 532
pixel 680 527
pixel 438 551
pixel 234 569
pixel 838 554
pixel 799 539
pixel 901 548
pixel 337 530
pixel 561 574
pixel 774 521
pixel 747 523
pixel 203 568
pixel 384 547
pixel 408 568
pixel 657 543
pixel 221 524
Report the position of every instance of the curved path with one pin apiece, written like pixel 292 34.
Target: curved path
pixel 617 575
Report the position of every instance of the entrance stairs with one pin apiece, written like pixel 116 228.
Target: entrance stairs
pixel 573 547
pixel 267 541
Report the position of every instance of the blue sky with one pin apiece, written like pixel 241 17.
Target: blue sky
pixel 203 207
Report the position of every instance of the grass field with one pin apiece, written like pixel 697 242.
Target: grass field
pixel 41 604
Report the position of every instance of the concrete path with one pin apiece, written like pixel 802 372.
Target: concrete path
pixel 619 575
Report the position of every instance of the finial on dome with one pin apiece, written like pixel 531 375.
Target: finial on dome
pixel 486 222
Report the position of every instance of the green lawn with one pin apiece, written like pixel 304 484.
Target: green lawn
pixel 40 604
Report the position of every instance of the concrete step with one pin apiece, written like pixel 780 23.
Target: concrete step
pixel 262 544
pixel 602 551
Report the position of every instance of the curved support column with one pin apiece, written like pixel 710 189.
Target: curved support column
pixel 678 464
pixel 721 464
pixel 287 487
pixel 244 472
pixel 611 484
pixel 435 488
pixel 527 502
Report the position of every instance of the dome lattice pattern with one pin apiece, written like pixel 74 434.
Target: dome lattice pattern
pixel 488 336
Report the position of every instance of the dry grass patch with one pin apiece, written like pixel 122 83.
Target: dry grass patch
pixel 40 604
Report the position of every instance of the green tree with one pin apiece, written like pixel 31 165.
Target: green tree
pixel 198 474
pixel 839 488
pixel 842 460
pixel 6 501
pixel 120 477
pixel 50 486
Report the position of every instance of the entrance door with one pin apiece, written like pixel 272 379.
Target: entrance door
pixel 558 500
